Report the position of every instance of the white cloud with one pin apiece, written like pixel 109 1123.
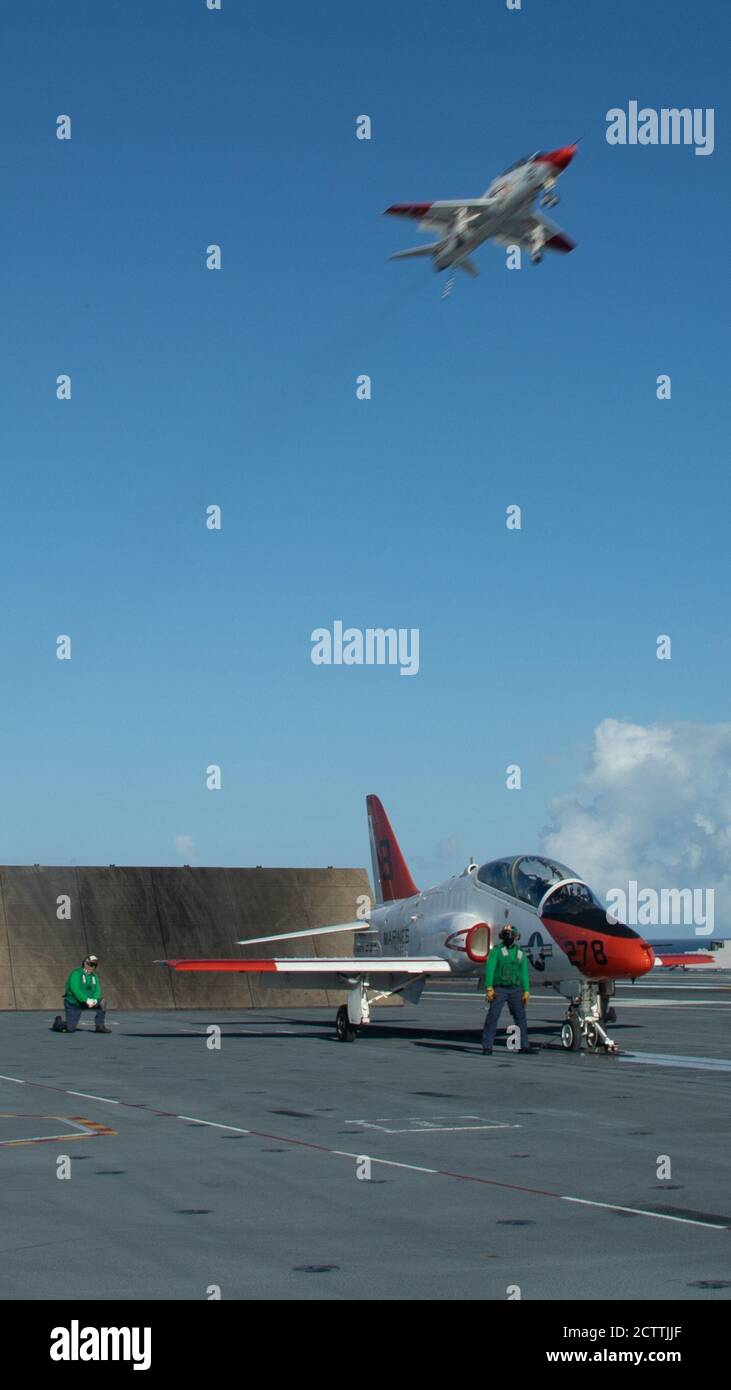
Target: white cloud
pixel 654 806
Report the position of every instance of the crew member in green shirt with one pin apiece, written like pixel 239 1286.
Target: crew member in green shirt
pixel 506 982
pixel 83 991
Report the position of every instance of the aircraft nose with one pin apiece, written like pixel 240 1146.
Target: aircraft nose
pixel 619 957
pixel 602 950
pixel 634 957
pixel 561 158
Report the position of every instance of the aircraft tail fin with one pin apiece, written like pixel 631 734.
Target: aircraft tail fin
pixel 391 877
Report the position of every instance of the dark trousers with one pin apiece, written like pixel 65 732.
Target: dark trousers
pixel 74 1012
pixel 514 1000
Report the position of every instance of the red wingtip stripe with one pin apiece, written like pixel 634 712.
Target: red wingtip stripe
pixel 559 242
pixel 243 967
pixel 408 209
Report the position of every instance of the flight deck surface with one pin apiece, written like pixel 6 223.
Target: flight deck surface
pixel 196 1169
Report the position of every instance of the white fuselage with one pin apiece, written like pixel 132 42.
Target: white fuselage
pixel 506 197
pixel 436 923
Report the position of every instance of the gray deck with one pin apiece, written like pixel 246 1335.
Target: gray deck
pixel 263 1200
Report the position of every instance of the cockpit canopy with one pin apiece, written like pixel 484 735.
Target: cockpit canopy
pixel 529 878
pixel 518 163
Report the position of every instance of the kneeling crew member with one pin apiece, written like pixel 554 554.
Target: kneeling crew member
pixel 83 991
pixel 506 982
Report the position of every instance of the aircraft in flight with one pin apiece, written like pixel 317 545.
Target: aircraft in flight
pixel 504 213
pixel 410 936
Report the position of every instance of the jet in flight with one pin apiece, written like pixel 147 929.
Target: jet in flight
pixel 409 937
pixel 504 213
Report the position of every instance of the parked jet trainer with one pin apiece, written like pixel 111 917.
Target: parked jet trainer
pixel 572 945
pixel 504 213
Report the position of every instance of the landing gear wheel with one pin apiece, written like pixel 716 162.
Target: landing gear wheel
pixel 344 1030
pixel 571 1035
pixel 593 1040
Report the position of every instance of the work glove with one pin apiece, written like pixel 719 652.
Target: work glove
pixel 526 996
pixel 490 995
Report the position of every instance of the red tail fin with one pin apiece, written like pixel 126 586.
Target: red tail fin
pixel 390 871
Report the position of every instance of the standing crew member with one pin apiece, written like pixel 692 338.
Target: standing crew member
pixel 83 991
pixel 506 982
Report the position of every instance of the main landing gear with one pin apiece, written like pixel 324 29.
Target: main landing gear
pixel 344 1030
pixel 585 1018
pixel 549 199
pixel 350 1016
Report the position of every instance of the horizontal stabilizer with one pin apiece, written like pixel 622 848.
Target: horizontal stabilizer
pixel 309 931
pixel 427 250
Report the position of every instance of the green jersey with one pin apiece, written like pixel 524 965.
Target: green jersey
pixel 81 986
pixel 507 966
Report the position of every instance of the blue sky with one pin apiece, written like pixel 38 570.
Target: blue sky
pixel 192 387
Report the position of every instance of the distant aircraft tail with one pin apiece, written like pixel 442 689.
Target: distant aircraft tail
pixel 391 876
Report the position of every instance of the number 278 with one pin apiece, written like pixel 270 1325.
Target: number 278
pixel 577 952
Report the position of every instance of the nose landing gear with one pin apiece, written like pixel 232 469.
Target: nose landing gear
pixel 585 1018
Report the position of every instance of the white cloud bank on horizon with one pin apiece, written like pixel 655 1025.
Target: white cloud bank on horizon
pixel 654 806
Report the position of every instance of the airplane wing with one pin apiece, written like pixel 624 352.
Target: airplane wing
pixel 442 211
pixel 438 217
pixel 333 965
pixel 522 230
